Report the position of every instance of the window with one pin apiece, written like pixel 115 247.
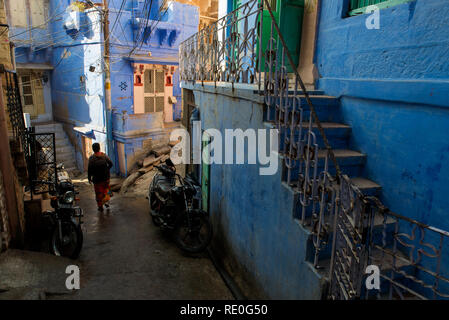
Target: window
pixel 27 91
pixel 32 92
pixel 357 7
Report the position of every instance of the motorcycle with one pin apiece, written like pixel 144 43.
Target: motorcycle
pixel 66 235
pixel 176 208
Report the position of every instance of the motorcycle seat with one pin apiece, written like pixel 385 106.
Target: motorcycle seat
pixel 163 187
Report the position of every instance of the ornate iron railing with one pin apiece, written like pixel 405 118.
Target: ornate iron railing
pixel 230 50
pixel 42 166
pixel 39 148
pixel 226 50
pixel 407 251
pixel 14 104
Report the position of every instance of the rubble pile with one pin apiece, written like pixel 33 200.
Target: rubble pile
pixel 143 172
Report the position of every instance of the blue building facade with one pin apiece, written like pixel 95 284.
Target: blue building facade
pixel 382 97
pixel 64 53
pixel 146 96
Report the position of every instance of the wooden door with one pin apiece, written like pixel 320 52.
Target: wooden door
pixel 27 95
pixel 32 94
pixel 154 90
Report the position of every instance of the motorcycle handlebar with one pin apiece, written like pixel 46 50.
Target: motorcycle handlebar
pixel 165 170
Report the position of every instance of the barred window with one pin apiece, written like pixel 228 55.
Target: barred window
pixel 357 7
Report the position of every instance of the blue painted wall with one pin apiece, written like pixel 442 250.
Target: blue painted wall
pixel 162 39
pixel 255 234
pixel 160 46
pixel 77 81
pixel 394 90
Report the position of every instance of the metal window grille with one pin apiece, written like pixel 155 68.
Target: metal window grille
pixel 15 110
pixel 149 82
pixel 357 7
pixel 159 104
pixel 149 104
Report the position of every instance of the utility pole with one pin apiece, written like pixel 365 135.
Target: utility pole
pixel 107 79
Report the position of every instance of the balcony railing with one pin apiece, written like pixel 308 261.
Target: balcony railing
pixel 226 50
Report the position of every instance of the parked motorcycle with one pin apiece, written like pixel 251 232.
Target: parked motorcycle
pixel 176 208
pixel 66 236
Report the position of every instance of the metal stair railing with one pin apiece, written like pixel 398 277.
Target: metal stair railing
pixel 230 50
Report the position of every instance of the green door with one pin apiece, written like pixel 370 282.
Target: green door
pixel 266 27
pixel 292 14
pixel 205 171
pixel 288 15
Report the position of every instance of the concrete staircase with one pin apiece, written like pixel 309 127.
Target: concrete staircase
pixel 339 135
pixel 351 162
pixel 65 152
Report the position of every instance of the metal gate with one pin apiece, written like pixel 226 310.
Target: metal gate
pixel 42 166
pixel 15 110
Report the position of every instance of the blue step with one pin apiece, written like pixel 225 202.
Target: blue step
pixel 326 107
pixel 367 187
pixel 336 133
pixel 351 163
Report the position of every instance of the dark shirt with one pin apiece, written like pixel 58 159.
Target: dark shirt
pixel 99 165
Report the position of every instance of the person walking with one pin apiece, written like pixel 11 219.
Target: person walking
pixel 98 174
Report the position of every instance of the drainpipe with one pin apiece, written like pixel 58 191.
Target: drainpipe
pixel 107 80
pixel 12 48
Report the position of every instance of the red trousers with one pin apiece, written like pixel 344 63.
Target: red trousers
pixel 102 193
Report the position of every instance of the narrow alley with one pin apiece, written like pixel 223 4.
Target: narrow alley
pixel 125 257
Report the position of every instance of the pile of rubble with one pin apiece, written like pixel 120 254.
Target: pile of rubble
pixel 143 171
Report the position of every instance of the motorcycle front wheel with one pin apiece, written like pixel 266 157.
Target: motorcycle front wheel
pixel 154 216
pixel 196 238
pixel 71 243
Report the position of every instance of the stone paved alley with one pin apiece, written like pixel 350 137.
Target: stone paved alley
pixel 124 257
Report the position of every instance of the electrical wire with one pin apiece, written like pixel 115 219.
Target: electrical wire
pixel 116 19
pixel 139 42
pixel 52 36
pixel 153 26
pixel 139 35
pixel 155 23
pixel 46 22
pixel 55 44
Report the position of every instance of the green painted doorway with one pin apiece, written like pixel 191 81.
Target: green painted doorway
pixel 288 15
pixel 205 170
